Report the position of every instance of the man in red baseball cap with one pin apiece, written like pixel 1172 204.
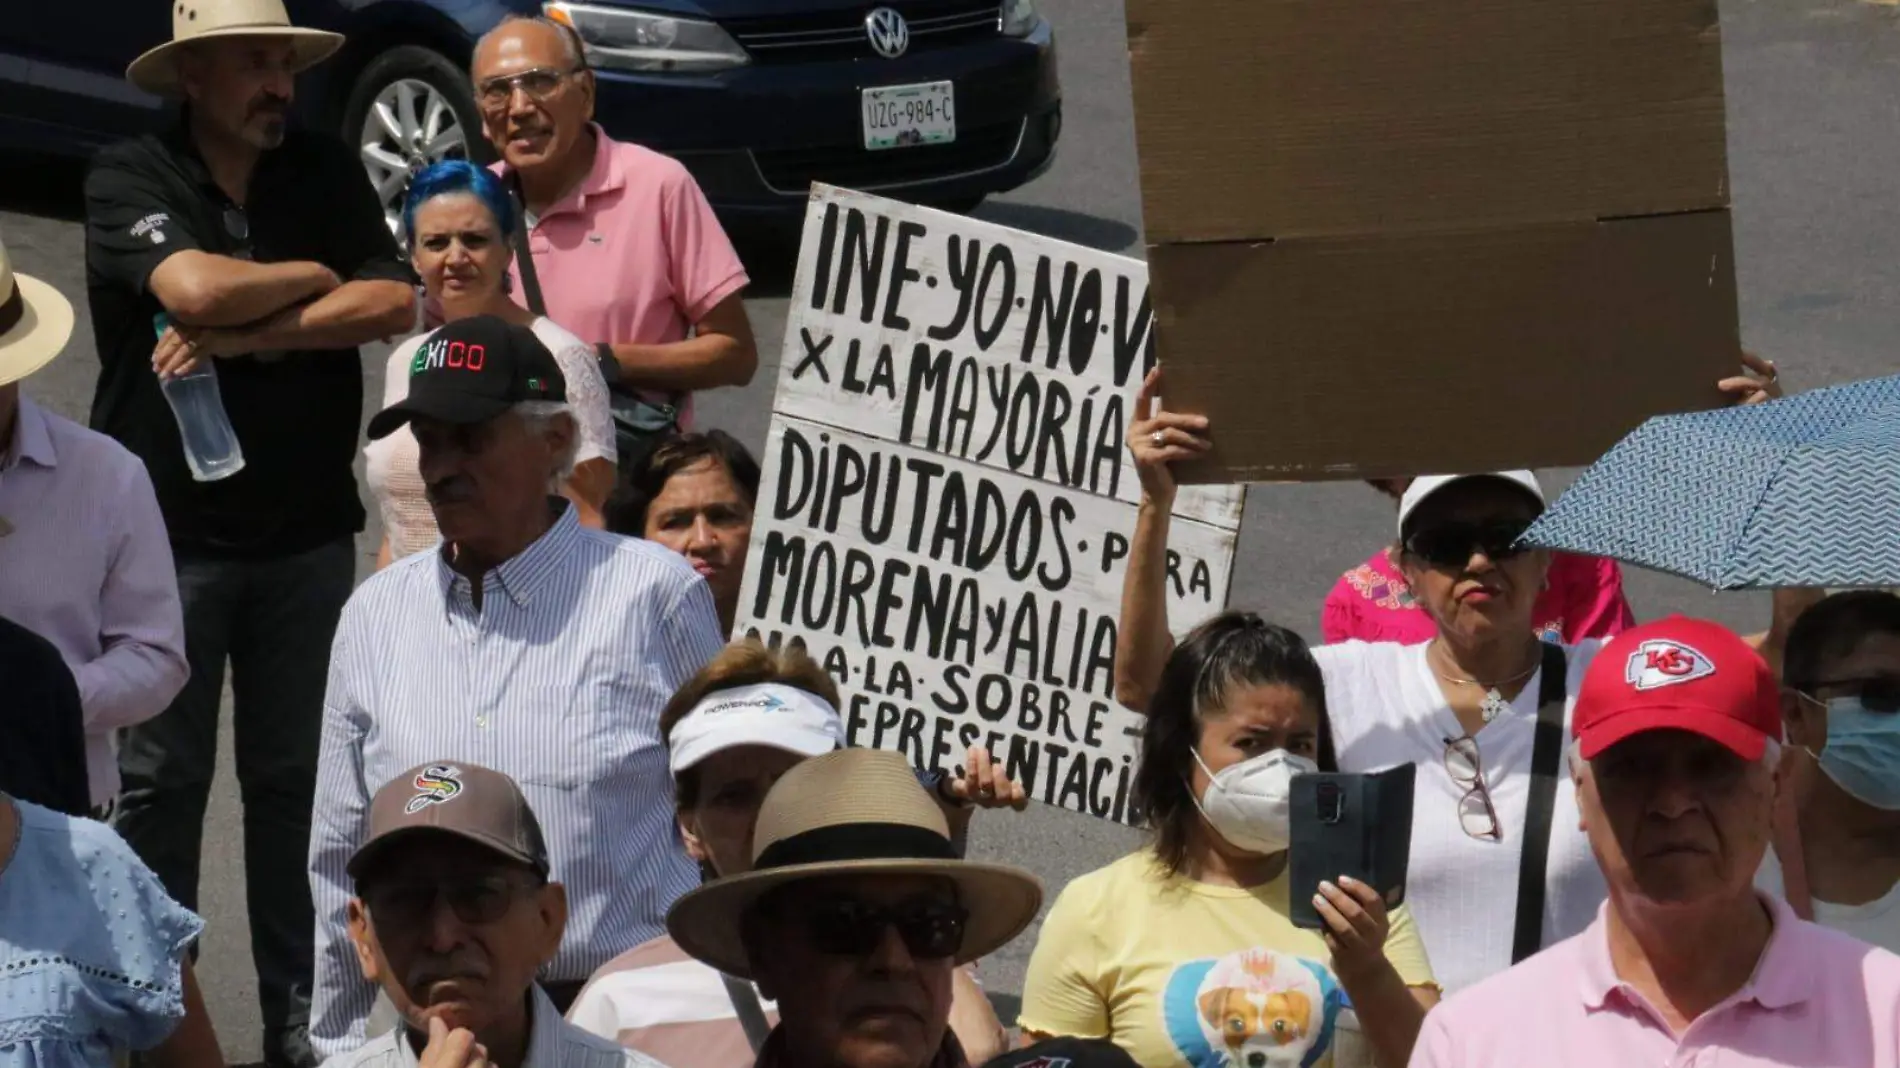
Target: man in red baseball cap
pixel 1677 730
pixel 1679 674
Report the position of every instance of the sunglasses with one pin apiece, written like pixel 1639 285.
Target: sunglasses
pixel 482 899
pixel 1453 544
pixel 846 927
pixel 1877 693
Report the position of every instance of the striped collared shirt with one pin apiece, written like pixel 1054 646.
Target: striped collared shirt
pixel 558 682
pixel 552 1043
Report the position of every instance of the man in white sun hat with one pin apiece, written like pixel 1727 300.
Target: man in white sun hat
pixel 234 240
pixel 746 719
pixel 82 545
pixel 854 916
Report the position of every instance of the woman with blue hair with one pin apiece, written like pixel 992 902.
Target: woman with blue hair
pixel 459 223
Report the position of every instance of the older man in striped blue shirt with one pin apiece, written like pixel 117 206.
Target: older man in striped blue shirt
pixel 527 644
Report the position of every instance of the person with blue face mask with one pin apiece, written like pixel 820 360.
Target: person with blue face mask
pixel 1837 849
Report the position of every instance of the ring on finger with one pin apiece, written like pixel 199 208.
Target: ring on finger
pixel 1158 438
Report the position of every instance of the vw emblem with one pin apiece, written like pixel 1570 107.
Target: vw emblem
pixel 889 33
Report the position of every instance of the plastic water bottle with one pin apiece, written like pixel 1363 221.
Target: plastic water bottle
pixel 211 446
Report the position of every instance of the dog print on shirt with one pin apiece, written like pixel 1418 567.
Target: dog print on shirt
pixel 1256 1008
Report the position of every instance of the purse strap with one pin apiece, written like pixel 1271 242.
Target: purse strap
pixel 745 1002
pixel 1546 754
pixel 524 256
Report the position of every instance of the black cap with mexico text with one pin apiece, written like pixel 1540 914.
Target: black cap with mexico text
pixel 472 370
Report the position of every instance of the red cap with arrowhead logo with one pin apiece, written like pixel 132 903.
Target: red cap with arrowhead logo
pixel 1678 674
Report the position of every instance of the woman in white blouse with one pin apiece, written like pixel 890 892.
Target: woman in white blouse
pixel 1463 707
pixel 459 222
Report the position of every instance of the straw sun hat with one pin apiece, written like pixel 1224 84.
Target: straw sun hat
pixel 851 812
pixel 35 321
pixel 156 71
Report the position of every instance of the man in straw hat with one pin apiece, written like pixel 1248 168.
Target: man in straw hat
pixel 854 915
pixel 231 237
pixel 453 917
pixel 82 544
pixel 42 733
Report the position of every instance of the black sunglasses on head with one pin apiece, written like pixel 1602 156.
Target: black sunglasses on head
pixel 847 927
pixel 1454 544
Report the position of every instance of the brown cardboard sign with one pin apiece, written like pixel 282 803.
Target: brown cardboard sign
pixel 1397 236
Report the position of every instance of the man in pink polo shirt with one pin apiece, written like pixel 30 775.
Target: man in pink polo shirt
pixel 1676 729
pixel 626 248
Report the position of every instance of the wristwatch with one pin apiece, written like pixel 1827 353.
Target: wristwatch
pixel 936 782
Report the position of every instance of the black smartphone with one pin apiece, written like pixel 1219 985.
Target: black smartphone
pixel 1344 824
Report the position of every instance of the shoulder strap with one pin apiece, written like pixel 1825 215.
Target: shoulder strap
pixel 1546 754
pixel 745 1002
pixel 524 256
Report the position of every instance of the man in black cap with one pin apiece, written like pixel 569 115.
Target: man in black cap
pixel 488 407
pixel 529 643
pixel 453 916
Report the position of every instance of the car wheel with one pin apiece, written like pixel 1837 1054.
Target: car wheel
pixel 411 107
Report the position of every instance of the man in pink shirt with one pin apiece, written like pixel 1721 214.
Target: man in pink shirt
pixel 1676 742
pixel 626 248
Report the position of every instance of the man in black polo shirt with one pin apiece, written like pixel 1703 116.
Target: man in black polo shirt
pixel 263 249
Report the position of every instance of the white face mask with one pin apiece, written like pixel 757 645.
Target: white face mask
pixel 1250 803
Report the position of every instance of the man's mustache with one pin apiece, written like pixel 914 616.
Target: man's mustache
pixel 426 975
pixel 454 489
pixel 269 104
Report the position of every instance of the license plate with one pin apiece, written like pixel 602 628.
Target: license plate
pixel 898 116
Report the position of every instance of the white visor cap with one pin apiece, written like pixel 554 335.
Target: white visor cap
pixel 767 713
pixel 1425 486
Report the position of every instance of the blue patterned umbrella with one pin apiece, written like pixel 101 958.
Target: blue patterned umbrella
pixel 1803 491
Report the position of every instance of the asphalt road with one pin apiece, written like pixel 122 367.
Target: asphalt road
pixel 1813 98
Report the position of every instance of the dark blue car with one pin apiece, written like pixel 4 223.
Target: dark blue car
pixel 933 101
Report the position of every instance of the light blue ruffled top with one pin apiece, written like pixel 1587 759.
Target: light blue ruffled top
pixel 90 946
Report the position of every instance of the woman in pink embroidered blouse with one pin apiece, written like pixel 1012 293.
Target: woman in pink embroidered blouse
pixel 1583 598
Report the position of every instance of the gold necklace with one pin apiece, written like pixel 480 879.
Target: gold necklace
pixel 1494 703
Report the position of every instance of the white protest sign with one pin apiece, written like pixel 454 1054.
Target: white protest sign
pixel 947 502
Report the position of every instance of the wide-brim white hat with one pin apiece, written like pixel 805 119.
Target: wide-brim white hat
pixel 156 71
pixel 35 322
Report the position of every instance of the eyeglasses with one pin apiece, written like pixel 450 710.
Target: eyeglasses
pixel 482 899
pixel 1475 812
pixel 846 927
pixel 539 84
pixel 1452 544
pixel 1877 693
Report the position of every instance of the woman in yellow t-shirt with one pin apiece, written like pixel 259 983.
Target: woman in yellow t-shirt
pixel 1184 953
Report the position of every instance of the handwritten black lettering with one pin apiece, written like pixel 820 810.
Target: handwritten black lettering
pixel 814 358
pixel 864 249
pixel 821 267
pixel 901 273
pixel 998 270
pixel 1048 311
pixel 962 278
